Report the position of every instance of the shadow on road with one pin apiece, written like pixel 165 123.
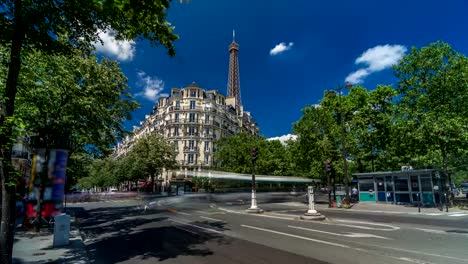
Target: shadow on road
pixel 118 234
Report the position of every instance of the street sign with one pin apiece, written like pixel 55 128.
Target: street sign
pixel 436 188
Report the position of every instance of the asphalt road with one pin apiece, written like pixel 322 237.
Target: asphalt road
pixel 216 229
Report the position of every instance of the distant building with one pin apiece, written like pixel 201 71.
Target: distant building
pixel 193 119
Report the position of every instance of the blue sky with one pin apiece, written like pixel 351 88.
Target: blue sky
pixel 327 38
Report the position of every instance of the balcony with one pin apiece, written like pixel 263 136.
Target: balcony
pixel 196 108
pixel 192 135
pixel 208 135
pixel 190 149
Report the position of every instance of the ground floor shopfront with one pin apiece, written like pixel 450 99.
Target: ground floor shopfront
pixel 402 187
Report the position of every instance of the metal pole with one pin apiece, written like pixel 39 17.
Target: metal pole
pixel 343 145
pixel 419 203
pixel 446 203
pixel 254 197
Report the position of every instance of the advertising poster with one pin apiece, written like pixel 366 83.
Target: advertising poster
pixel 56 171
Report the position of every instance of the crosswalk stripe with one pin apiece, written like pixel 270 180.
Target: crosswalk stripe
pixel 435 214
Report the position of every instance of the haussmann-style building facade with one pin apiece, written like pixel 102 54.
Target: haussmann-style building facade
pixel 193 119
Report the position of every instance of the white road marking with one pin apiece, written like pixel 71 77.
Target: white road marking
pixel 410 251
pixel 457 215
pixel 182 213
pixel 200 227
pixel 295 236
pixel 262 215
pixel 212 219
pixel 353 235
pixel 434 214
pixel 431 230
pixel 392 228
pixel 211 213
pixel 187 230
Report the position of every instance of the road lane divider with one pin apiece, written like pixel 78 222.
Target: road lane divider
pixel 212 219
pixel 186 230
pixel 172 210
pixel 355 224
pixel 210 213
pixel 352 235
pixel 196 226
pixel 296 236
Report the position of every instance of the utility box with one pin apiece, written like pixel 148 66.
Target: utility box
pixel 61 230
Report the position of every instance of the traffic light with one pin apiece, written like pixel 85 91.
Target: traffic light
pixel 254 153
pixel 328 166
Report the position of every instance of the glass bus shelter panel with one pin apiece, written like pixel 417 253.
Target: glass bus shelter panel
pixel 427 190
pixel 402 189
pixel 366 189
pixel 415 188
pixel 389 186
pixel 381 195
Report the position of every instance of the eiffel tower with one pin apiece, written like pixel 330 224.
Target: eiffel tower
pixel 233 86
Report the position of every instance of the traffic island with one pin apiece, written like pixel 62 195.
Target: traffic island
pixel 254 210
pixel 312 214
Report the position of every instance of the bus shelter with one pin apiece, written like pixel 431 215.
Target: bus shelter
pixel 402 187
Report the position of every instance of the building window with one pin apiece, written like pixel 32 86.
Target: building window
pixel 207 131
pixel 191 144
pixel 207 159
pixel 177 105
pixel 176 146
pixel 192 117
pixel 193 93
pixel 191 131
pixel 176 131
pixel 192 104
pixel 207 118
pixel 190 158
pixel 176 117
pixel 207 145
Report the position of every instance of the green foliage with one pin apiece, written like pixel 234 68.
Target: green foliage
pixel 62 26
pixel 76 96
pixel 433 106
pixel 147 158
pixel 234 154
pixel 421 123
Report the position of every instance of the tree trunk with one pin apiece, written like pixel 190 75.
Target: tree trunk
pixel 152 183
pixel 8 219
pixel 8 190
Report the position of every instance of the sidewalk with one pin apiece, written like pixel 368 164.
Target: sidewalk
pixel 35 248
pixel 366 208
pixel 392 208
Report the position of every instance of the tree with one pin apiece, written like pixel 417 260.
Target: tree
pixel 74 96
pixel 151 154
pixel 317 140
pixel 233 155
pixel 60 27
pixel 433 105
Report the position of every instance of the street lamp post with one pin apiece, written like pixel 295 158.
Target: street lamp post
pixel 343 137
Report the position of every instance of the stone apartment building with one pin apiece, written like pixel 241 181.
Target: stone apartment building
pixel 193 119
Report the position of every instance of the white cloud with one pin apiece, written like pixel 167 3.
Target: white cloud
pixel 280 48
pixel 377 59
pixel 122 50
pixel 357 76
pixel 284 138
pixel 152 86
